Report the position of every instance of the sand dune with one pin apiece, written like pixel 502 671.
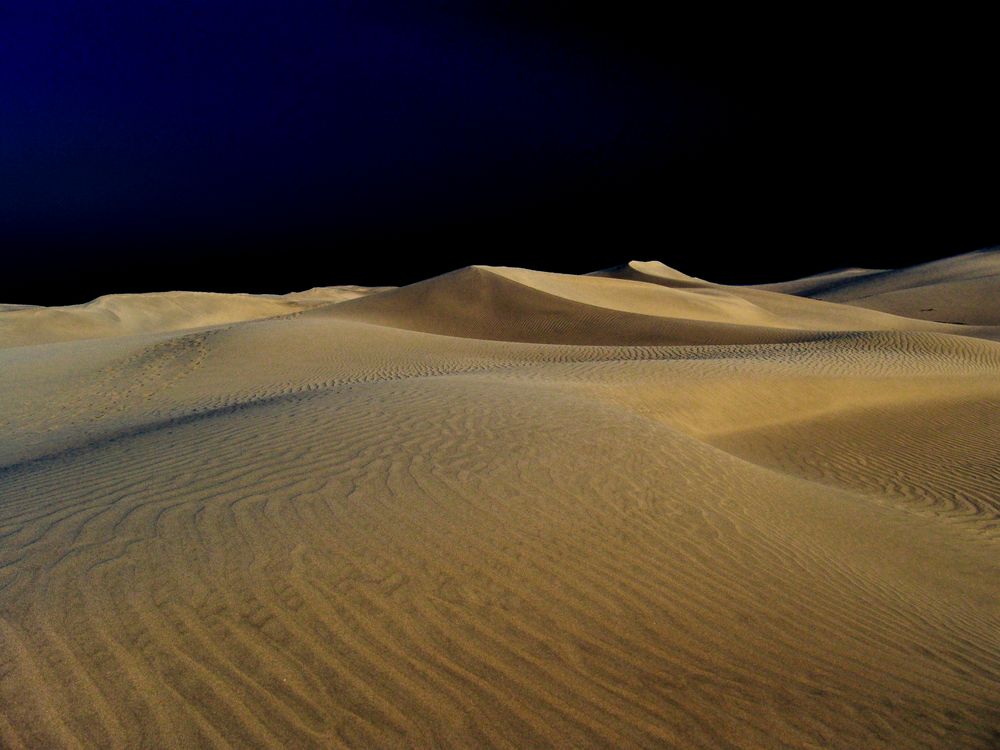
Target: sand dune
pixel 815 286
pixel 510 304
pixel 327 294
pixel 502 508
pixel 132 314
pixel 655 272
pixel 962 289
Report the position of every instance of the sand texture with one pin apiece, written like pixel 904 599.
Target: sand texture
pixel 504 508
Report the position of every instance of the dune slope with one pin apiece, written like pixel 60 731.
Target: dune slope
pixel 566 522
pixel 961 290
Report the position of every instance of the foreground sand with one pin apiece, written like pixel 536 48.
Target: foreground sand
pixel 504 509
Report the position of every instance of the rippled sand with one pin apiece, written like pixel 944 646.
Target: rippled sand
pixel 502 508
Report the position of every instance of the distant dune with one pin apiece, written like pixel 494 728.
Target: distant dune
pixel 134 314
pixel 507 508
pixel 962 289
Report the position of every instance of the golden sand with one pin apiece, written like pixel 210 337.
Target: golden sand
pixel 504 508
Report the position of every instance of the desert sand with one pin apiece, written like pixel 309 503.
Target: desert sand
pixel 505 508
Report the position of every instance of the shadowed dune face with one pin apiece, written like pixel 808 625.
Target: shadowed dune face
pixel 503 509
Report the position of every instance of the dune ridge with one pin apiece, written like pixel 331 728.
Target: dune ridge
pixel 502 508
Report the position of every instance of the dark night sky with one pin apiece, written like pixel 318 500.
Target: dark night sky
pixel 268 146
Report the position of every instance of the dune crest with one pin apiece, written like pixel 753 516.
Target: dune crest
pixel 652 271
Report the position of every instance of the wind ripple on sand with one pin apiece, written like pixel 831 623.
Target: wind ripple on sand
pixel 314 531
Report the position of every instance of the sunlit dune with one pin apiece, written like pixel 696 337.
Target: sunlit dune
pixel 507 508
pixel 513 304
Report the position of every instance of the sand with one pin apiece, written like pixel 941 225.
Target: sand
pixel 135 314
pixel 502 508
pixel 963 289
